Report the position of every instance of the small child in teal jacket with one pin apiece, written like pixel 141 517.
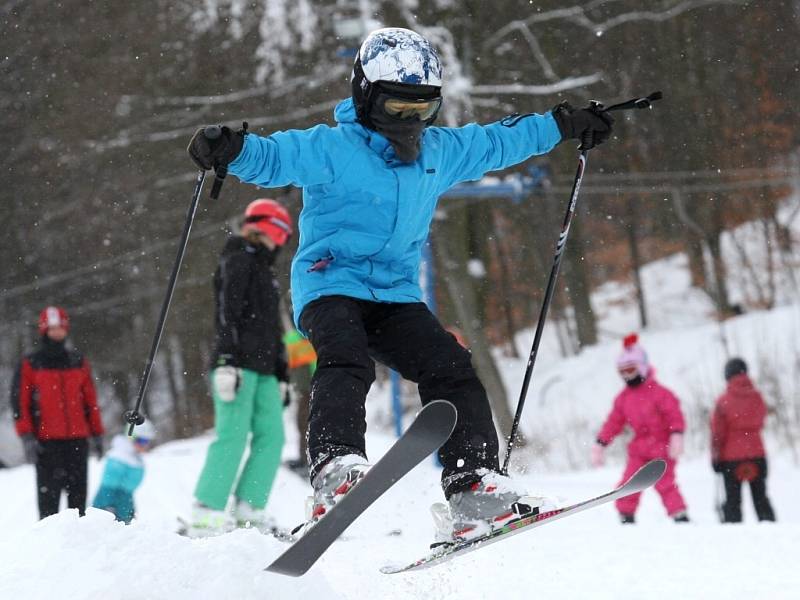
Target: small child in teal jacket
pixel 124 472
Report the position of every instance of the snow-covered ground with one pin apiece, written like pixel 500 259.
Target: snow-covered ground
pixel 586 556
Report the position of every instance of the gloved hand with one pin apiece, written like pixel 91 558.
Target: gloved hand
pixel 226 382
pixel 716 466
pixel 216 153
pixel 589 125
pixel 675 448
pixel 30 446
pixel 598 457
pixel 98 446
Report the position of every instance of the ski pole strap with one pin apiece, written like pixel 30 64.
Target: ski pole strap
pixel 219 177
pixel 636 102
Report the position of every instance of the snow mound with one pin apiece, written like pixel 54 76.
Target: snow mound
pixel 96 557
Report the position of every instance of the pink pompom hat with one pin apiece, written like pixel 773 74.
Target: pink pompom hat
pixel 633 359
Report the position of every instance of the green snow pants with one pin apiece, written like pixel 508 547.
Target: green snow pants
pixel 257 409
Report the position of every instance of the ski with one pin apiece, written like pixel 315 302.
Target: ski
pixel 431 428
pixel 280 534
pixel 642 479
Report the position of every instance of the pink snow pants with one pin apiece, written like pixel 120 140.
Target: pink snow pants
pixel 666 487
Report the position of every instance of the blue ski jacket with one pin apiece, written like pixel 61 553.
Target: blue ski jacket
pixel 365 213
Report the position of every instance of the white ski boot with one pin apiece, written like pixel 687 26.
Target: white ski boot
pixel 488 505
pixel 248 517
pixel 330 485
pixel 207 522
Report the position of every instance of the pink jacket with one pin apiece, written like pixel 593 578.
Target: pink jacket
pixel 652 411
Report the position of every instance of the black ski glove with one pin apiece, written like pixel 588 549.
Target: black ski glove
pixel 216 153
pixel 591 126
pixel 717 466
pixel 30 446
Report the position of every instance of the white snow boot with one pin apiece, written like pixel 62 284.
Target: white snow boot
pixel 488 505
pixel 207 522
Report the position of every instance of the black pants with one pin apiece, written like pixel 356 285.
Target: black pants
pixel 61 466
pixel 348 334
pixel 755 472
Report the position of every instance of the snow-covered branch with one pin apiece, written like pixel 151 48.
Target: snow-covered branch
pixel 579 16
pixel 122 141
pixel 537 90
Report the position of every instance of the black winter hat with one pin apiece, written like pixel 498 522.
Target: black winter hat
pixel 734 367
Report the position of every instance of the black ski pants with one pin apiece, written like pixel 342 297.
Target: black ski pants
pixel 61 465
pixel 734 473
pixel 348 334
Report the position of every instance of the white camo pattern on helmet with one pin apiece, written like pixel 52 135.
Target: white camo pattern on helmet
pixel 400 56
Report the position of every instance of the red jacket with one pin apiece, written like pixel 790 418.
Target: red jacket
pixel 652 411
pixel 53 395
pixel 737 421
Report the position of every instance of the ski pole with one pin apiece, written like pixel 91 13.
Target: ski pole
pixel 559 253
pixel 134 417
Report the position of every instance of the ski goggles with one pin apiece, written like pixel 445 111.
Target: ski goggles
pixel 283 225
pixel 142 441
pixel 404 108
pixel 628 372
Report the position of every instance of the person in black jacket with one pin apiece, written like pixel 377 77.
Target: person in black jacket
pixel 248 363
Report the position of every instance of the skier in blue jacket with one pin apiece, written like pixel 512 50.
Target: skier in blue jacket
pixel 370 188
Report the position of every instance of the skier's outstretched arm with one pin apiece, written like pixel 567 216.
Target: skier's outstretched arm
pixel 475 150
pixel 295 157
pixel 613 426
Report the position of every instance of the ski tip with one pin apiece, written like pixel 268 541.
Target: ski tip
pixel 391 569
pixel 445 407
pixel 280 569
pixel 647 475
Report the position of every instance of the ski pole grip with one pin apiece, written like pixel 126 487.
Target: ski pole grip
pixel 645 102
pixel 219 176
pixel 212 132
pixel 133 418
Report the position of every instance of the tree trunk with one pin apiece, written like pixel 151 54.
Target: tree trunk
pixel 631 226
pixel 452 252
pixel 504 261
pixel 578 287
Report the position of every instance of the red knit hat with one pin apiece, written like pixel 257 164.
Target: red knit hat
pixel 53 316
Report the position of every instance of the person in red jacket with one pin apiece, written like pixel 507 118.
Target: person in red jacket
pixel 55 413
pixel 654 414
pixel 737 450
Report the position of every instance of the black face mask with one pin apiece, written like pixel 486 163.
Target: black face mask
pixel 403 134
pixel 52 347
pixel 636 381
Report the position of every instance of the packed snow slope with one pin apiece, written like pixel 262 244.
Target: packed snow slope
pixel 586 556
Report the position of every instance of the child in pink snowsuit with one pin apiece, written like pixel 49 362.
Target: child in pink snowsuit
pixel 654 414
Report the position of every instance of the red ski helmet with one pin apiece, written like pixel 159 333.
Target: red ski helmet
pixel 270 218
pixel 53 316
